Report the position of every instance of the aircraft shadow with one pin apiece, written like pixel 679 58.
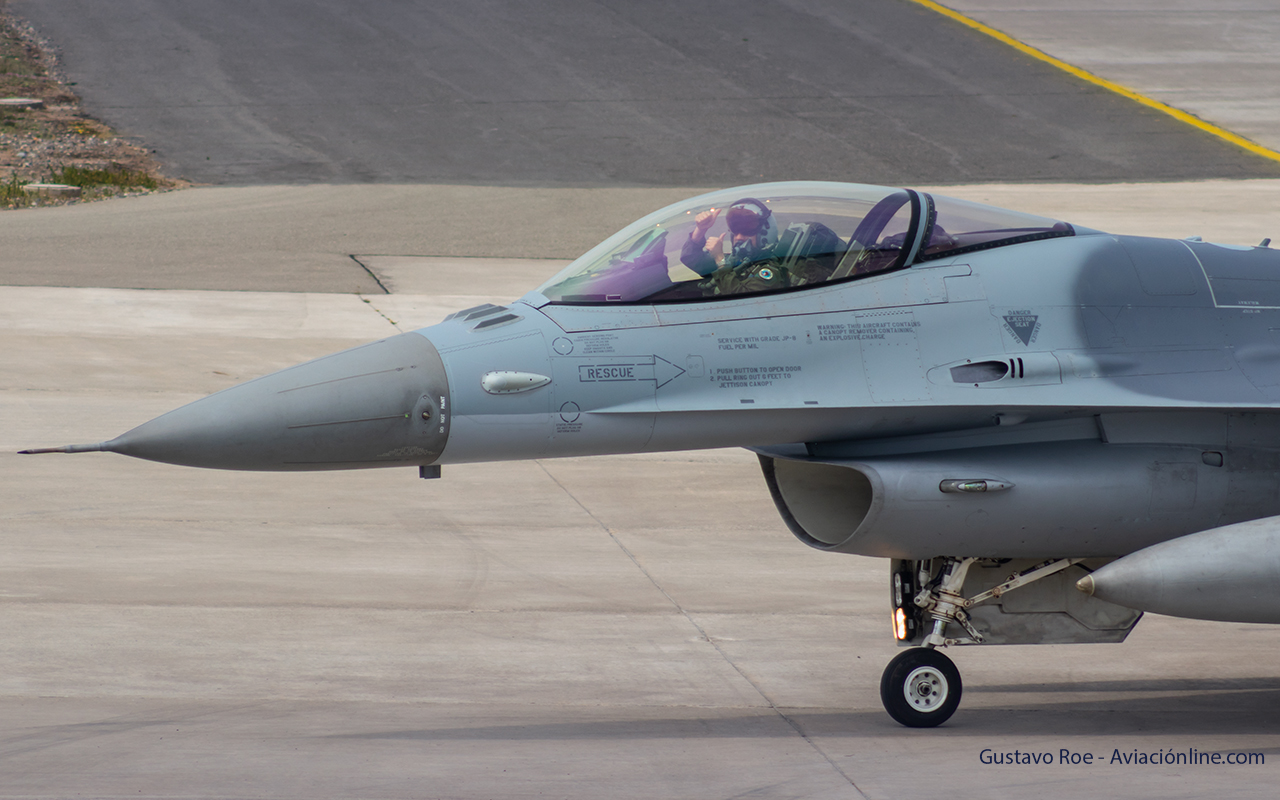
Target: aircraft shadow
pixel 1120 708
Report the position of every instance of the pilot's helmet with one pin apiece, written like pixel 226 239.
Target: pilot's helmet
pixel 750 217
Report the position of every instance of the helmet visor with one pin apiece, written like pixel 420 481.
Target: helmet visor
pixel 747 218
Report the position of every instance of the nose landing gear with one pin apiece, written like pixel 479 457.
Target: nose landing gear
pixel 920 688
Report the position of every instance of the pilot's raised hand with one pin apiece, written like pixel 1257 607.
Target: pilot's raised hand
pixel 703 222
pixel 699 254
pixel 714 246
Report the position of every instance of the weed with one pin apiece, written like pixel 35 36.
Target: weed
pixel 116 178
pixel 12 196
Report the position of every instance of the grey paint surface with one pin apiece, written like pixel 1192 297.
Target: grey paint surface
pixel 1216 60
pixel 633 626
pixel 570 93
pixel 378 404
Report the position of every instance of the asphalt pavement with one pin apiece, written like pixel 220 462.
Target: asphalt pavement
pixel 604 93
pixel 1218 61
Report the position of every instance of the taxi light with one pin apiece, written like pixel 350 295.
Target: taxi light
pixel 900 624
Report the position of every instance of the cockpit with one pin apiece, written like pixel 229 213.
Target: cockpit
pixel 780 237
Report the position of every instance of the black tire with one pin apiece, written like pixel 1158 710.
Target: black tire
pixel 920 688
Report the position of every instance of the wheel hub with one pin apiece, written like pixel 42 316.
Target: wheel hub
pixel 925 689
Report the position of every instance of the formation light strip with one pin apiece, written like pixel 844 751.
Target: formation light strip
pixel 1181 116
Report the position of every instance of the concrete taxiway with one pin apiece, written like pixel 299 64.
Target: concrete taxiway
pixel 630 626
pixel 303 238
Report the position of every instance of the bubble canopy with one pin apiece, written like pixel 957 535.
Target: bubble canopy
pixel 778 237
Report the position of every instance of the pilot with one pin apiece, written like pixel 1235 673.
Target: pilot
pixel 751 264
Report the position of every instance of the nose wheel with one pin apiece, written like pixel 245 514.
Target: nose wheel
pixel 920 688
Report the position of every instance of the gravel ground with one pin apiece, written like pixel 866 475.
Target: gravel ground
pixel 33 157
pixel 40 144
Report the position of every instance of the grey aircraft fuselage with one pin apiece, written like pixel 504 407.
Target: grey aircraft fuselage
pixel 1068 395
pixel 1145 352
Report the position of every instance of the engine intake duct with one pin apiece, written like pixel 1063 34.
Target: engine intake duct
pixel 1076 499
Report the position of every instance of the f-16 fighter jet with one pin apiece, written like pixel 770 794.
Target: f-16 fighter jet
pixel 1044 429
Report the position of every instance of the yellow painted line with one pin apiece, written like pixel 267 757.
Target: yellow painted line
pixel 1181 116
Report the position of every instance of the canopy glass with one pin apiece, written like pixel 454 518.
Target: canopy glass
pixel 782 237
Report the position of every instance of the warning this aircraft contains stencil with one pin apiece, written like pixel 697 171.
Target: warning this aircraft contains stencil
pixel 864 330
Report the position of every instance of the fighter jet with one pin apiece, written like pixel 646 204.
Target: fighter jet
pixel 1044 429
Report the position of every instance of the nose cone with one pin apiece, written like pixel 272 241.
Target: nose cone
pixel 383 404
